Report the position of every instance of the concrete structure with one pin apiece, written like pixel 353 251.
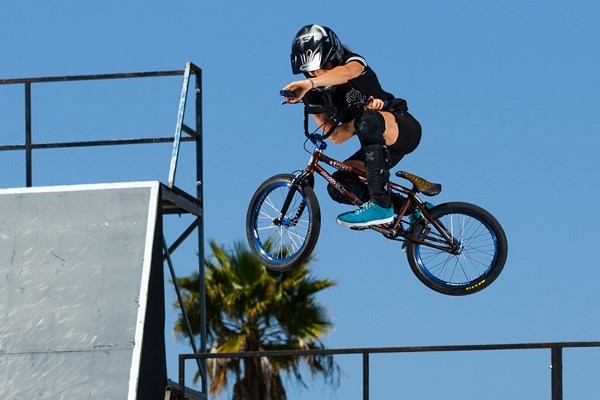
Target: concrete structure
pixel 81 292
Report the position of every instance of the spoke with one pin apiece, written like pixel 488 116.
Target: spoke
pixel 461 267
pixel 268 202
pixel 295 235
pixel 264 215
pixel 476 263
pixel 267 228
pixel 293 243
pixel 285 244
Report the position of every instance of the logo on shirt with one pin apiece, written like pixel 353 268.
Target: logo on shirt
pixel 354 96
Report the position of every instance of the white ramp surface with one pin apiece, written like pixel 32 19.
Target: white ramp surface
pixel 74 272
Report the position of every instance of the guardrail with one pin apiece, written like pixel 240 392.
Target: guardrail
pixel 555 350
pixel 29 146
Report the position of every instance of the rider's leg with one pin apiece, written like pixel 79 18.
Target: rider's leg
pixel 378 174
pixel 371 128
pixel 350 181
pixel 352 184
pixel 406 143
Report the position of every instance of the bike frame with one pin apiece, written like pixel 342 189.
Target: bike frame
pixel 391 231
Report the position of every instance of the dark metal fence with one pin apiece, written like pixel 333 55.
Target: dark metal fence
pixel 556 353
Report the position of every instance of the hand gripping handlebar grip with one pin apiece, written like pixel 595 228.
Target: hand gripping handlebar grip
pixel 287 93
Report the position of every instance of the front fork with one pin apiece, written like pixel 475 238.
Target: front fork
pixel 304 178
pixel 299 180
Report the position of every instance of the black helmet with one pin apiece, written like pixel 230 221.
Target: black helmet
pixel 313 47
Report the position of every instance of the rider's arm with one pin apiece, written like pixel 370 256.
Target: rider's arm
pixel 339 75
pixel 340 134
pixel 335 76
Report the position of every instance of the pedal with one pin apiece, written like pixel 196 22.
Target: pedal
pixel 359 228
pixel 384 230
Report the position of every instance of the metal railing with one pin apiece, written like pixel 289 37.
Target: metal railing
pixel 29 145
pixel 556 350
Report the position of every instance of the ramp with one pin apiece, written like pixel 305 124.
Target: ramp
pixel 81 293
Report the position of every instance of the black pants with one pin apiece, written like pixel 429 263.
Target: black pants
pixel 409 136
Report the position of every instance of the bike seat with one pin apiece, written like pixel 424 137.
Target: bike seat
pixel 420 184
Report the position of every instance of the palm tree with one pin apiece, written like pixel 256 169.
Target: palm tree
pixel 250 308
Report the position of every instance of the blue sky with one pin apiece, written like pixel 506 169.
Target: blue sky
pixel 506 92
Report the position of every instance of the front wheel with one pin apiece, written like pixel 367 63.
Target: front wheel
pixel 473 261
pixel 282 244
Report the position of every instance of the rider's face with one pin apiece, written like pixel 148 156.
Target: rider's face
pixel 321 71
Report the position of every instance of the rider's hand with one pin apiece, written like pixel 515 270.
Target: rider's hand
pixel 374 104
pixel 300 88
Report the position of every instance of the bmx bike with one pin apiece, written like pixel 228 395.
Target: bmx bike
pixel 454 248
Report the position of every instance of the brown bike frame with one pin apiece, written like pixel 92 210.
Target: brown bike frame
pixel 389 230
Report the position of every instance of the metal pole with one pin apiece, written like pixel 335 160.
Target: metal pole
pixel 182 375
pixel 557 392
pixel 28 174
pixel 178 126
pixel 365 376
pixel 188 325
pixel 200 197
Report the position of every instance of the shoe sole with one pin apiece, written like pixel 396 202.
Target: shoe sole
pixel 365 224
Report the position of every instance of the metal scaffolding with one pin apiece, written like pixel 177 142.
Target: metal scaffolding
pixel 173 200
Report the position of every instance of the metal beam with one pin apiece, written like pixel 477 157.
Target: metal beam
pixel 188 325
pixel 91 143
pixel 28 164
pixel 556 367
pixel 71 78
pixel 179 125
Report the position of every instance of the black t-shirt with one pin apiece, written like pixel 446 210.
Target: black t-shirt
pixel 360 88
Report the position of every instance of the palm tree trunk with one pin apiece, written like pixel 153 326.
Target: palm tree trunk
pixel 251 386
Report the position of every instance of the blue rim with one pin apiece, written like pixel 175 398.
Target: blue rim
pixel 257 242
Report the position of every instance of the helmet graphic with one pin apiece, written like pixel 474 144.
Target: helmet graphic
pixel 313 47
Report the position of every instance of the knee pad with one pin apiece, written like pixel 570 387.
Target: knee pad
pixel 351 183
pixel 370 125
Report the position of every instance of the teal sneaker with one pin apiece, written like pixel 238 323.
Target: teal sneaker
pixel 368 214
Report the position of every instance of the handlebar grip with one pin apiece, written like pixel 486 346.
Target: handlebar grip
pixel 287 93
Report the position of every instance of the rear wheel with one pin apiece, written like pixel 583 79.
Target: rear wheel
pixel 282 245
pixel 480 255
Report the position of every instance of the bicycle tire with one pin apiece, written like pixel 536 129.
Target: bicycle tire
pixel 282 246
pixel 483 253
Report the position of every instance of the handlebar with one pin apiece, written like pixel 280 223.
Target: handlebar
pixel 287 93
